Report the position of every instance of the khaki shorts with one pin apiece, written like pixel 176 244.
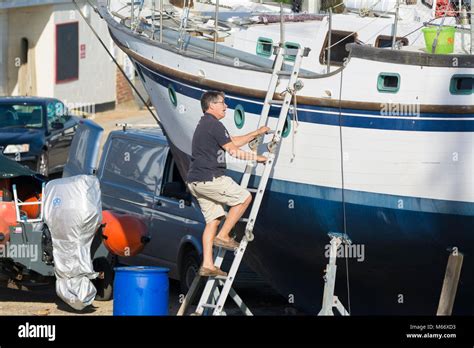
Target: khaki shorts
pixel 214 195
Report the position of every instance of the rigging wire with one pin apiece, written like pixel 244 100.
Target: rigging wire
pixel 115 61
pixel 342 191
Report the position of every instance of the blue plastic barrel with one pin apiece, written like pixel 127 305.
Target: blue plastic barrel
pixel 141 290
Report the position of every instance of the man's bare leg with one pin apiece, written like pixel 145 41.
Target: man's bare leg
pixel 234 214
pixel 207 241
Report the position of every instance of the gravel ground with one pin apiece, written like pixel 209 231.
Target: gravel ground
pixel 261 300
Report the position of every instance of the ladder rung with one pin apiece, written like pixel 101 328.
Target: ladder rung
pixel 277 102
pixel 206 305
pixel 220 277
pixel 252 189
pixel 284 73
pixel 243 220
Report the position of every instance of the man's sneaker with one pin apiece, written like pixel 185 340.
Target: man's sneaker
pixel 229 245
pixel 206 272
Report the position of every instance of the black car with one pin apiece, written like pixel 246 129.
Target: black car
pixel 36 132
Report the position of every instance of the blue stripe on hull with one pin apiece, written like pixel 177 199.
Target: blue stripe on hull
pixel 320 115
pixel 404 253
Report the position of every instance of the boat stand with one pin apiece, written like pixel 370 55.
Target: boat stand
pixel 329 300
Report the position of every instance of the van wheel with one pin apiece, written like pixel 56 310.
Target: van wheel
pixel 103 283
pixel 189 270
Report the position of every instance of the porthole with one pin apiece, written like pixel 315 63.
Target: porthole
pixel 461 84
pixel 291 46
pixel 264 47
pixel 388 82
pixel 287 128
pixel 239 116
pixel 172 95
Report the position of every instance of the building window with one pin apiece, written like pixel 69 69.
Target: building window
pixel 67 52
pixel 461 84
pixel 24 50
pixel 291 46
pixel 339 40
pixel 388 82
pixel 384 41
pixel 264 47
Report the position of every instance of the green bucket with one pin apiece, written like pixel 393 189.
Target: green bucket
pixel 445 39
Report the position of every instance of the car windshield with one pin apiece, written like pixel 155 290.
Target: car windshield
pixel 21 115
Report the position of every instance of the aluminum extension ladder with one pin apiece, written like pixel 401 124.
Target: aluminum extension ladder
pixel 213 299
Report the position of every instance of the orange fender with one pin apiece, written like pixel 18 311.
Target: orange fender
pixel 32 211
pixel 123 235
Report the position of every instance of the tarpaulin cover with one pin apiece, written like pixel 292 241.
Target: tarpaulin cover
pixel 73 213
pixel 12 169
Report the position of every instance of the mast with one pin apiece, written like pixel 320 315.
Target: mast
pixel 395 25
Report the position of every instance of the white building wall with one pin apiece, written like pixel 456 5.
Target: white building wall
pixel 96 83
pixel 32 23
pixel 3 51
pixel 44 59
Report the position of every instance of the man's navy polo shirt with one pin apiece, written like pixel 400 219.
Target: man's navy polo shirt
pixel 208 155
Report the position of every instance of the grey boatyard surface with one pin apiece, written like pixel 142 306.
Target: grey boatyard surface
pixel 43 301
pixel 261 300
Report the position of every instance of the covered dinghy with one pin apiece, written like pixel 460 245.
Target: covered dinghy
pixel 73 213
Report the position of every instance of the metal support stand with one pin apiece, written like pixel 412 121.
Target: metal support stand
pixel 329 300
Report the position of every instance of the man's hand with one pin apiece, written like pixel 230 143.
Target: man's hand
pixel 241 140
pixel 263 130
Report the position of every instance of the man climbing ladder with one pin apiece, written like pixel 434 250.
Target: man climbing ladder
pixel 207 182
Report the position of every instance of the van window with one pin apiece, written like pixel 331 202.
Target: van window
pixel 138 166
pixel 173 184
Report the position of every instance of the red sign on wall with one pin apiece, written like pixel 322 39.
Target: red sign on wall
pixel 83 51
